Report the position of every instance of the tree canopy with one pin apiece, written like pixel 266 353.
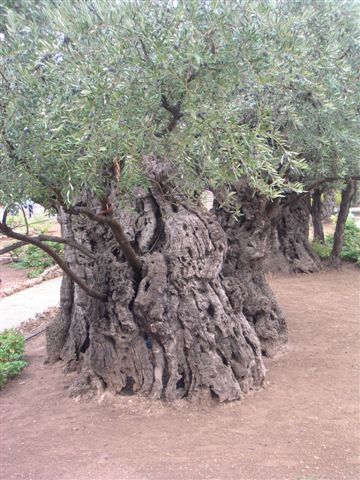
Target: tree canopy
pixel 261 90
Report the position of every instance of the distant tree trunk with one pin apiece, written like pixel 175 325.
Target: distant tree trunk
pixel 316 209
pixel 289 247
pixel 243 271
pixel 328 205
pixel 346 198
pixel 356 197
pixel 176 332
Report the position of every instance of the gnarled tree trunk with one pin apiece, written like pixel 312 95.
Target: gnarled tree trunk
pixel 174 334
pixel 289 247
pixel 244 271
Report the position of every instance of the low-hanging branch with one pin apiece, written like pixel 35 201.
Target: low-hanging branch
pixel 50 238
pixel 6 230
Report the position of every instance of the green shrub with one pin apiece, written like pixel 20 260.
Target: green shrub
pixel 323 249
pixel 36 259
pixel 12 345
pixel 351 246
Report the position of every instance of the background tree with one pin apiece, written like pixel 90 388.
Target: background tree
pixel 322 124
pixel 347 195
pixel 119 116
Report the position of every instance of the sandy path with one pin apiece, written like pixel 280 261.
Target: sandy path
pixel 23 305
pixel 303 426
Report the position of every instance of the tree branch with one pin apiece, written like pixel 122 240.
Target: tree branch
pixel 106 218
pixel 25 219
pixel 118 232
pixel 176 114
pixel 5 214
pixel 49 238
pixel 175 110
pixel 62 264
pixel 144 48
pixel 313 186
pixel 317 184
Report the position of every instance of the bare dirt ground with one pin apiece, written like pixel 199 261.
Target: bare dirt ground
pixel 304 425
pixel 11 276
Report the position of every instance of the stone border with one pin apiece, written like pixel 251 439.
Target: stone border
pixel 48 274
pixel 37 324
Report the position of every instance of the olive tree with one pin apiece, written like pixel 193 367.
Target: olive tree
pixel 121 116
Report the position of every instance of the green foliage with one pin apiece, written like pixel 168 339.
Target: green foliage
pixel 323 249
pixel 36 259
pixel 12 345
pixel 351 246
pixel 262 90
pixel 338 198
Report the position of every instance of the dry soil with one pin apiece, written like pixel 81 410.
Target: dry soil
pixel 304 425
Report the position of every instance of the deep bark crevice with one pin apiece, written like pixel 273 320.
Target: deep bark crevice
pixel 243 271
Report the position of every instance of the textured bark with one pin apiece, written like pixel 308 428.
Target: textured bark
pixel 244 269
pixel 176 332
pixel 347 195
pixel 328 205
pixel 316 212
pixel 289 247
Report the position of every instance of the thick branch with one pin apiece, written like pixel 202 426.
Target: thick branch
pixel 49 238
pixel 119 234
pixel 62 264
pixel 107 219
pixel 317 184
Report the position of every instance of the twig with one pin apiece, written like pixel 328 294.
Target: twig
pixel 25 219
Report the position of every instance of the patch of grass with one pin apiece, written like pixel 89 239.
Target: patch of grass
pixel 351 246
pixel 36 259
pixel 12 345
